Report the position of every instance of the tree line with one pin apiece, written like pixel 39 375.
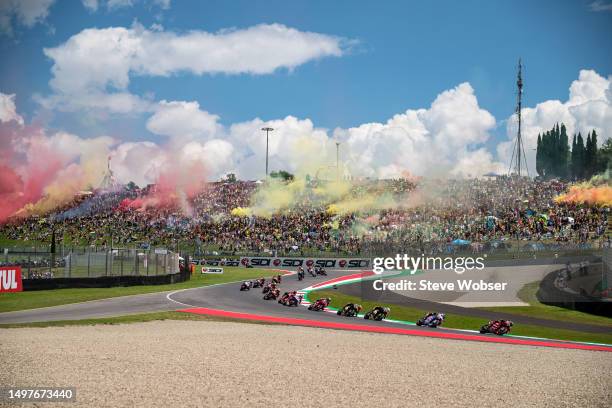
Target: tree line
pixel 554 159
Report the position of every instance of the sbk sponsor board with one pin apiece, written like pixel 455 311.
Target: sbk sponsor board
pixel 220 262
pixel 272 262
pixel 212 270
pixel 10 279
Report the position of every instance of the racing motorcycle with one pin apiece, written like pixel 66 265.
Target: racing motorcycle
pixel 246 286
pixel 300 274
pixel 259 283
pixel 499 327
pixel 321 271
pixel 267 288
pixel 277 279
pixel 431 320
pixel 272 294
pixel 349 311
pixel 377 314
pixel 318 306
pixel 290 300
pixel 312 272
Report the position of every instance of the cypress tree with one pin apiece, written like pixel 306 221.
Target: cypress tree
pixel 593 157
pixel 580 153
pixel 574 160
pixel 539 156
pixel 588 173
pixel 563 153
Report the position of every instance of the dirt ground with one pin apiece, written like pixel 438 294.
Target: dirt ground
pixel 221 364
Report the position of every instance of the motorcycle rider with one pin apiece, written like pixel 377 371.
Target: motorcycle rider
pixel 496 325
pixel 269 287
pixel 274 294
pixel 379 309
pixel 288 297
pixel 324 302
pixel 429 317
pixel 246 285
pixel 352 308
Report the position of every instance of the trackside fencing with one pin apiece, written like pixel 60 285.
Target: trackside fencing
pixel 121 262
pixel 90 264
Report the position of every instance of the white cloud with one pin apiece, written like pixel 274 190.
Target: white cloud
pixel 183 121
pixel 432 141
pixel 140 162
pixel 91 5
pixel 295 144
pixel 23 12
pixel 8 111
pixel 114 4
pixel 588 107
pixel 164 4
pixel 444 139
pixel 98 62
pixel 600 5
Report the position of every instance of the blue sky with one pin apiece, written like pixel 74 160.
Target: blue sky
pixel 400 55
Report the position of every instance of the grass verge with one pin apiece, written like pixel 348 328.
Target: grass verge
pixel 457 321
pixel 536 309
pixel 137 318
pixel 44 298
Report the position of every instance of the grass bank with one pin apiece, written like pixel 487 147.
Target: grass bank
pixel 137 318
pixel 44 298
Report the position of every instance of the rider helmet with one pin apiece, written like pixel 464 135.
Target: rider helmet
pixel 358 307
pixel 387 309
pixel 509 322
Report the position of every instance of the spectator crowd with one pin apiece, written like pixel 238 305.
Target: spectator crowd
pixel 429 216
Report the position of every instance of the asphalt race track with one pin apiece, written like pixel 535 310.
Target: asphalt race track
pixel 228 300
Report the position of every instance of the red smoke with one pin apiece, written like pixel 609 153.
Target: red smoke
pixel 174 187
pixel 24 174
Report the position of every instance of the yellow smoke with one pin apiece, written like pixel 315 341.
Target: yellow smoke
pixel 365 203
pixel 241 212
pixel 316 161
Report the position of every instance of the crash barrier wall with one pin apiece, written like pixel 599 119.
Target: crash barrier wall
pixel 104 282
pixel 550 293
pixel 89 264
pixel 273 262
pixel 607 267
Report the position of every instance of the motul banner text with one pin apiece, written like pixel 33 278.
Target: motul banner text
pixel 10 279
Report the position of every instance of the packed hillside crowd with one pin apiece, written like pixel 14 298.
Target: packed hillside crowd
pixel 431 216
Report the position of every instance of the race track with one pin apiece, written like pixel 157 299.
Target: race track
pixel 226 299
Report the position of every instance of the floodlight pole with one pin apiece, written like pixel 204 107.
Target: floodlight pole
pixel 337 161
pixel 267 130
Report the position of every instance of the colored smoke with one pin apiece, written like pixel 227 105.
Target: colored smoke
pixel 587 194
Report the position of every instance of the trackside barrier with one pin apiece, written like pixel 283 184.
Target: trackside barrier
pixel 271 262
pixel 279 262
